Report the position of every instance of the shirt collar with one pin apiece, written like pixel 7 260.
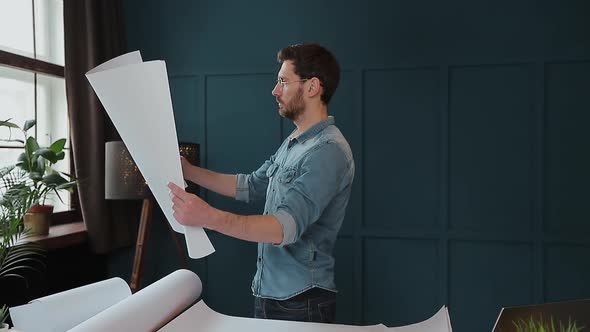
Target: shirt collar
pixel 313 130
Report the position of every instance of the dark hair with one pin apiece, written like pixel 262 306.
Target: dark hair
pixel 313 60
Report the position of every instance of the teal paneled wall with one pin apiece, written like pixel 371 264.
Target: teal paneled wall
pixel 401 148
pixel 468 122
pixel 401 280
pixel 484 274
pixel 566 142
pixel 491 126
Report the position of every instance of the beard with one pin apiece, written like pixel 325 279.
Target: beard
pixel 294 108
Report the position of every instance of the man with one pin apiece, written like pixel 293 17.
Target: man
pixel 306 184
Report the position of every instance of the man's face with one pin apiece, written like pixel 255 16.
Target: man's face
pixel 289 92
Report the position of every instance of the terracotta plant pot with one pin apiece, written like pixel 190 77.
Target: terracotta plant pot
pixel 38 219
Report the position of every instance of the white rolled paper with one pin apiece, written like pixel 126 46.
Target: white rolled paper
pixel 62 311
pixel 150 308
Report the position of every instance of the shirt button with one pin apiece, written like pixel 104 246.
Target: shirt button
pixel 260 259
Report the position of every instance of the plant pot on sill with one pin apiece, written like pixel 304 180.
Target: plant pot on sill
pixel 38 219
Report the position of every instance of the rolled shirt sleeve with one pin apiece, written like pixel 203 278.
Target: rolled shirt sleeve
pixel 288 225
pixel 242 191
pixel 252 187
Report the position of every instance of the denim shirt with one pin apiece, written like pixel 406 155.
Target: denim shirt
pixel 306 184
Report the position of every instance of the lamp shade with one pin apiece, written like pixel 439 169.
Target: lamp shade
pixel 123 180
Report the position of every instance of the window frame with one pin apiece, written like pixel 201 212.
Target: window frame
pixel 22 62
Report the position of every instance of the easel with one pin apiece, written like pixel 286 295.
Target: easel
pixel 143 233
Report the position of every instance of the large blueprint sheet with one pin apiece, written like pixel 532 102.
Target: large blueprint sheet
pixel 136 96
pixel 167 305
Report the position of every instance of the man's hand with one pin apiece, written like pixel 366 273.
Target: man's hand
pixel 190 210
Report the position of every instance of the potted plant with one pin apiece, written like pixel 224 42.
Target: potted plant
pixel 551 325
pixel 17 257
pixel 41 180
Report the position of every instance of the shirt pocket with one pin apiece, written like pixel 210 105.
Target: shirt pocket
pixel 286 176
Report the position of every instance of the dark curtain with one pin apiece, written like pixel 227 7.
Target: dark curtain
pixel 94 33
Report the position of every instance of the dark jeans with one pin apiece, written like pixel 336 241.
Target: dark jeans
pixel 315 305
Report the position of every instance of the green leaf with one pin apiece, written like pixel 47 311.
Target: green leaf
pixel 40 164
pixel 30 147
pixel 32 144
pixel 66 186
pixel 60 155
pixel 35 176
pixel 8 124
pixel 3 314
pixel 21 262
pixel 68 175
pixel 15 275
pixel 17 270
pixel 48 154
pixel 5 170
pixel 54 180
pixel 23 162
pixel 30 248
pixel 58 145
pixel 29 124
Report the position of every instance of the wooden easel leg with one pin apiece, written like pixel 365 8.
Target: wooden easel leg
pixel 142 237
pixel 179 249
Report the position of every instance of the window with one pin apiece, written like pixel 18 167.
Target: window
pixel 32 84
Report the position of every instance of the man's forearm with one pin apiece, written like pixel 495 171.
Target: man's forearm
pixel 190 210
pixel 257 228
pixel 223 184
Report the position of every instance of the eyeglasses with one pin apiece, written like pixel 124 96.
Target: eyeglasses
pixel 281 82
